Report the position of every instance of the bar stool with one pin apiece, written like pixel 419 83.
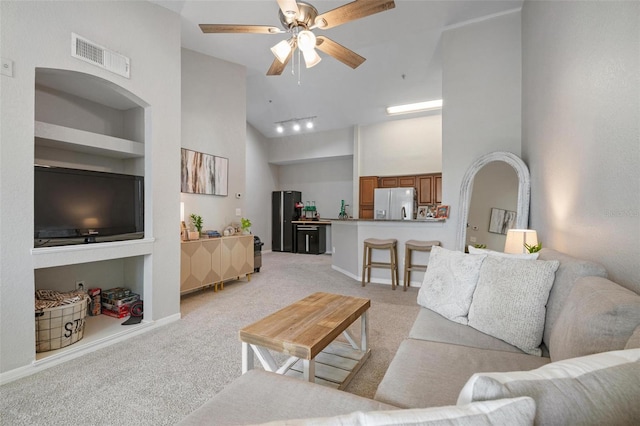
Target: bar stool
pixel 409 247
pixel 374 243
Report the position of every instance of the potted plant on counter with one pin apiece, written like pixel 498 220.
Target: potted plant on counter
pixel 196 221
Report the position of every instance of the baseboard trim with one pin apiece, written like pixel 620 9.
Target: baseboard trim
pixel 374 280
pixel 73 353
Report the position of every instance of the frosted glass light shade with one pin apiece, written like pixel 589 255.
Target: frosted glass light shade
pixel 282 50
pixel 311 58
pixel 517 238
pixel 306 40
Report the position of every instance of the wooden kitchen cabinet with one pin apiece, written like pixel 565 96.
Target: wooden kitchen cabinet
pixel 407 181
pixel 388 182
pixel 368 184
pixel 429 188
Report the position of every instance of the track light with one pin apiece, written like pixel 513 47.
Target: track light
pixel 295 123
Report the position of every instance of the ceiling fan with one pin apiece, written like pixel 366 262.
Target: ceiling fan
pixel 299 19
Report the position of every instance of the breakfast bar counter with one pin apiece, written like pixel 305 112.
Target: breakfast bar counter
pixel 347 237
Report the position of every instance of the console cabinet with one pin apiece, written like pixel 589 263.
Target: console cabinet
pixel 212 261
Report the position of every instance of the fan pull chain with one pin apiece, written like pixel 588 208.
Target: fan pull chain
pixel 299 73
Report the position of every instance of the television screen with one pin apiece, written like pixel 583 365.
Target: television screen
pixel 80 206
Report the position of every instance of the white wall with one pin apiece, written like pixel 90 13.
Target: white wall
pixel 494 186
pixel 481 89
pixel 38 34
pixel 311 146
pixel 325 182
pixel 214 122
pixel 581 109
pixel 262 180
pixel 401 147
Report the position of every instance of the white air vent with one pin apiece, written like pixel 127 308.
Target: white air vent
pixel 95 54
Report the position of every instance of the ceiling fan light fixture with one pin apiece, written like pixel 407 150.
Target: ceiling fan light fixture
pixel 311 58
pixel 282 50
pixel 415 107
pixel 306 40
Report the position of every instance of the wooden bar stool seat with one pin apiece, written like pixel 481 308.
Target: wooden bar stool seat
pixel 371 244
pixel 409 247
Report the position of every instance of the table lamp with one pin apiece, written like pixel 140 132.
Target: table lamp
pixel 517 238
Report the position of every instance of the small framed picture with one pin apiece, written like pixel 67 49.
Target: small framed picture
pixel 432 210
pixel 442 212
pixel 422 212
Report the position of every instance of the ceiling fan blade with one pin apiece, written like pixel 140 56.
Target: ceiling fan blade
pixel 289 8
pixel 338 51
pixel 352 11
pixel 234 29
pixel 277 67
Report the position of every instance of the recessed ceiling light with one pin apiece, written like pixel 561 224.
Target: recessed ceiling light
pixel 416 107
pixel 309 124
pixel 296 127
pixel 280 129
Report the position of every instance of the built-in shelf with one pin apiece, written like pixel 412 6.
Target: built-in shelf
pixel 97 330
pixel 46 257
pixel 69 139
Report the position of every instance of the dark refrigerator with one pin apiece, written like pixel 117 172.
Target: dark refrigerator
pixel 283 212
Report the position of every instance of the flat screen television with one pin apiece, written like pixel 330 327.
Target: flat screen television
pixel 80 206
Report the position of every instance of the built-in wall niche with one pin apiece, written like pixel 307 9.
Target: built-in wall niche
pixel 105 274
pixel 82 121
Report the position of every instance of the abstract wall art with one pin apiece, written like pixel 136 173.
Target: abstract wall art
pixel 203 173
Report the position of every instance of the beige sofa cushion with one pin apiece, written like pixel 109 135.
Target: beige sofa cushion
pixel 510 298
pixel 434 327
pixel 599 316
pixel 600 389
pixel 634 340
pixel 429 374
pixel 514 412
pixel 259 396
pixel 568 272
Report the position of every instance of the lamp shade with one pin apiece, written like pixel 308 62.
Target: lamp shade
pixel 282 50
pixel 517 238
pixel 311 58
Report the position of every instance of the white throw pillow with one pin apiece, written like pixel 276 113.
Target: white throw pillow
pixel 449 283
pixel 515 411
pixel 591 390
pixel 530 256
pixel 510 299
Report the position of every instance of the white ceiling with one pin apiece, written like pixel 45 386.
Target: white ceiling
pixel 402 46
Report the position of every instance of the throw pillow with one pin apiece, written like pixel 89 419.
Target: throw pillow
pixel 634 340
pixel 592 390
pixel 449 283
pixel 515 411
pixel 509 301
pixel 530 256
pixel 598 316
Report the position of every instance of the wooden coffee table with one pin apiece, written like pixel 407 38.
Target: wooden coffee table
pixel 306 331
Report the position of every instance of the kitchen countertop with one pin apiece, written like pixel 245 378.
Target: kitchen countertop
pixel 312 222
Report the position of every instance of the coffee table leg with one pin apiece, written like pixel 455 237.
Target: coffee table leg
pixel 309 370
pixel 247 358
pixel 364 336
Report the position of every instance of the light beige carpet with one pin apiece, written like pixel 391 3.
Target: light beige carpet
pixel 163 375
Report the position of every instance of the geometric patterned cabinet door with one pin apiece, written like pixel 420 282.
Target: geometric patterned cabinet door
pixel 211 261
pixel 237 257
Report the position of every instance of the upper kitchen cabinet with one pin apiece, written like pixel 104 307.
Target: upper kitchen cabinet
pixel 368 184
pixel 429 188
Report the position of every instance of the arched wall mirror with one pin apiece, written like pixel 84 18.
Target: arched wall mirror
pixel 466 191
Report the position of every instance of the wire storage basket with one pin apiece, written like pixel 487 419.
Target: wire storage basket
pixel 60 326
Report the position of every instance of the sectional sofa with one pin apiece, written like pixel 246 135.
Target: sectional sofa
pixel 499 340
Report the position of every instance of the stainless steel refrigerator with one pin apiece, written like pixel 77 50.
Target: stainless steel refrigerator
pixel 283 212
pixel 393 203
